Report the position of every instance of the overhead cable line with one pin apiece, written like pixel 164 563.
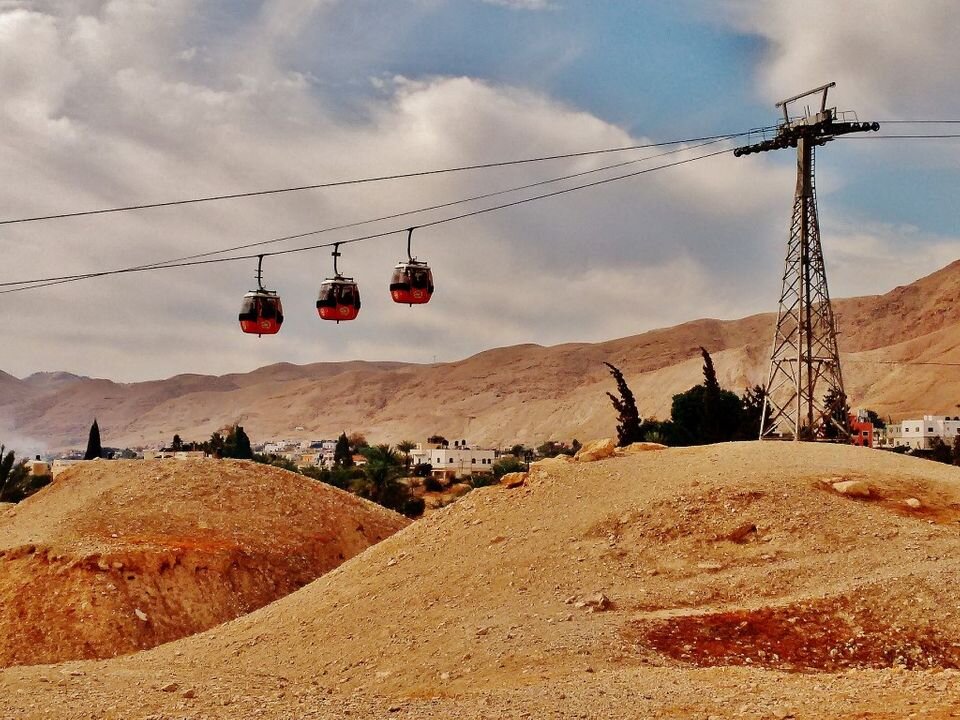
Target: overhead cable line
pixel 45 282
pixel 902 137
pixel 70 278
pixel 360 181
pixel 904 362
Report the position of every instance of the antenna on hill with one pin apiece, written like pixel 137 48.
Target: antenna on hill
pixel 805 353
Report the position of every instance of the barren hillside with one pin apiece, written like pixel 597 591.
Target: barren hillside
pixel 524 393
pixel 119 556
pixel 742 580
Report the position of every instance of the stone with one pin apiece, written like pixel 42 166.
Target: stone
pixel 852 488
pixel 141 615
pixel 513 480
pixel 170 687
pixel 913 503
pixel 595 602
pixel 640 447
pixel 548 463
pixel 741 533
pixel 596 450
pixel 189 694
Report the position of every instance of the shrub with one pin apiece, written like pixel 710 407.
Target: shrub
pixel 414 507
pixel 479 480
pixel 432 484
pixel 507 465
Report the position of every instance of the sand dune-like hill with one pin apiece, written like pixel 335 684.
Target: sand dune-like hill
pixel 719 581
pixel 115 557
pixel 525 393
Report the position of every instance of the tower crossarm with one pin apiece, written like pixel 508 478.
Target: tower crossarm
pixel 819 125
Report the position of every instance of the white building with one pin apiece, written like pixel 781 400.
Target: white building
pixel 918 434
pixel 461 460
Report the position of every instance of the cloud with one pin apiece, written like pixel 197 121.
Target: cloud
pixel 889 58
pixel 116 102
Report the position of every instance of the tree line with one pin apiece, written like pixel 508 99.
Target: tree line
pixel 704 414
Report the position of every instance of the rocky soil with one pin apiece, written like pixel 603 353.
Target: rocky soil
pixel 115 557
pixel 742 580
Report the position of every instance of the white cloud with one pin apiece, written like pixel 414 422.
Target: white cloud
pixel 116 102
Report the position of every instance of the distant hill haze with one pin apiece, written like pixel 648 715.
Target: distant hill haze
pixel 523 393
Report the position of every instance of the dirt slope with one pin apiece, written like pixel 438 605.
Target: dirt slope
pixel 119 556
pixel 524 393
pixel 738 583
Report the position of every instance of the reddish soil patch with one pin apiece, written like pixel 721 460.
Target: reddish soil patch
pixel 829 635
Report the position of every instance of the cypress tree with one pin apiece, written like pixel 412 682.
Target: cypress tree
pixel 94 450
pixel 628 417
pixel 342 457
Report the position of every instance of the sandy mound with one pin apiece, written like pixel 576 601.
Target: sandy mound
pixel 120 556
pixel 721 581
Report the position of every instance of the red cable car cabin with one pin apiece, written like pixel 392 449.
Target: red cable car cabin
pixel 339 299
pixel 261 313
pixel 412 283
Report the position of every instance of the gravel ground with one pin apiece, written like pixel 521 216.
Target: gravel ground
pixel 722 581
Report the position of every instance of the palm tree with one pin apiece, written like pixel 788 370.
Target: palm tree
pixel 381 478
pixel 405 446
pixel 12 475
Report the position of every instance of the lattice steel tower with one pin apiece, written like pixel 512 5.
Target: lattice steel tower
pixel 805 361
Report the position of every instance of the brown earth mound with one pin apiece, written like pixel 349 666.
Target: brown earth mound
pixel 725 581
pixel 120 556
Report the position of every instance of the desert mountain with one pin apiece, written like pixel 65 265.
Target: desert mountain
pixel 523 393
pixel 120 556
pixel 761 580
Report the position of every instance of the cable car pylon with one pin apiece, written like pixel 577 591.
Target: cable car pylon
pixel 805 361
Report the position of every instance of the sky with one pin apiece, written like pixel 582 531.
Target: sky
pixel 119 102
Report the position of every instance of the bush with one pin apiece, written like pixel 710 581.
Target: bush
pixel 422 470
pixel 277 461
pixel 479 480
pixel 414 507
pixel 432 484
pixel 507 465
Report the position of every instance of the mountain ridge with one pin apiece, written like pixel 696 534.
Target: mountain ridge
pixel 520 393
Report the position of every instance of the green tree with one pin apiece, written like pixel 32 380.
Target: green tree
pixel 214 446
pixel 752 415
pixel 358 443
pixel 381 478
pixel 438 440
pixel 405 446
pixel 16 482
pixel 518 451
pixel 705 413
pixel 628 417
pixel 237 445
pixel 940 451
pixel 12 473
pixel 836 419
pixel 342 457
pixel 277 461
pixel 549 449
pixel 177 444
pixel 875 419
pixel 94 449
pixel 506 465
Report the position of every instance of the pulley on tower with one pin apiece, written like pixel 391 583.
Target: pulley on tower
pixel 804 392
